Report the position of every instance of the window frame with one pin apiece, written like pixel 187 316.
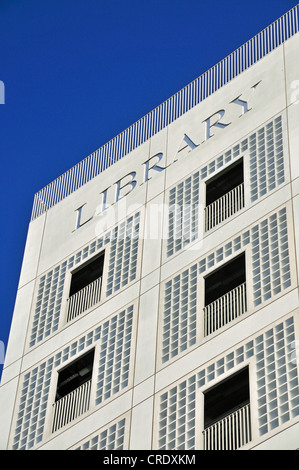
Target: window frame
pixel 68 280
pixel 48 430
pixel 200 400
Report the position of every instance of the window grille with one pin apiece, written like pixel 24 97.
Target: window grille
pixel 271 276
pixel 112 338
pixel 276 384
pixel 263 156
pixel 122 270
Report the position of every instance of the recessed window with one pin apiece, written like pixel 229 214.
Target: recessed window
pixel 225 294
pixel 85 288
pixel 74 375
pixel 87 273
pixel 224 194
pixel 227 413
pixel 226 397
pixel 73 390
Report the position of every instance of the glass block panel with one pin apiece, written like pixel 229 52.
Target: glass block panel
pixel 266 159
pixel 123 254
pixel 270 257
pixel 48 304
pixel 177 425
pixel 183 220
pixel 179 316
pixel 108 438
pixel 274 385
pixel 114 355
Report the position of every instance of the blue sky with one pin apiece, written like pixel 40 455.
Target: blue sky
pixel 78 72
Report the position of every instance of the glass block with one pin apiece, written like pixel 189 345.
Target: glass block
pixel 183 214
pixel 179 315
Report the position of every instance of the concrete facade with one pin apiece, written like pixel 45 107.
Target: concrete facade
pixel 153 363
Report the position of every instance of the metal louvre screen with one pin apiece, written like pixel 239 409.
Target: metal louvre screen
pixel 198 90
